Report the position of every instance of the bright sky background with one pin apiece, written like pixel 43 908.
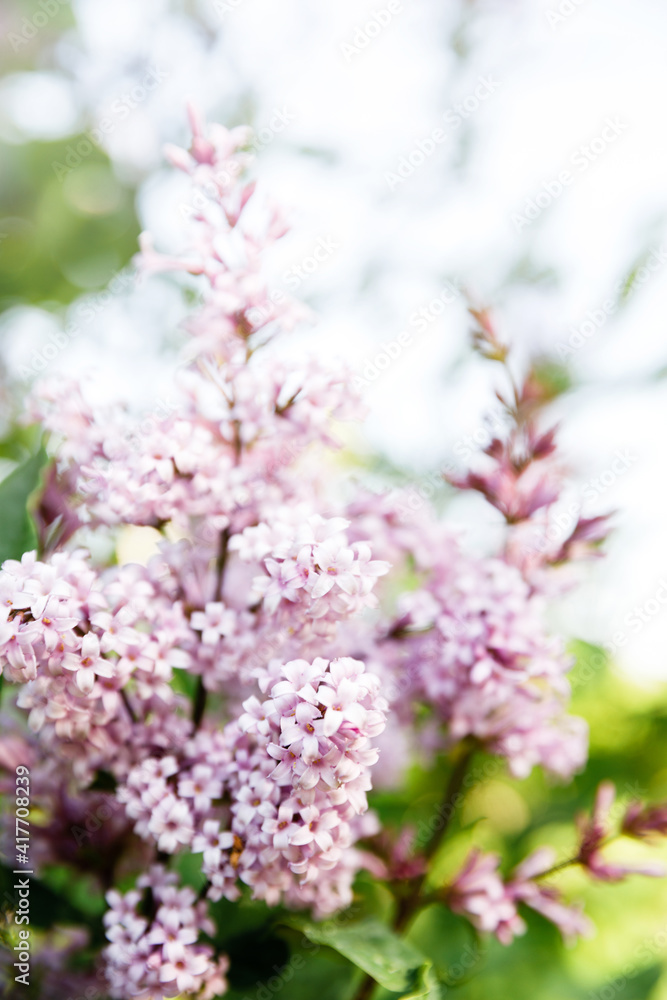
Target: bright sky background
pixel 554 83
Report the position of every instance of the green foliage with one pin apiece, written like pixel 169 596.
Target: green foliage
pixel 17 534
pixel 450 943
pixel 61 232
pixel 553 378
pixel 427 987
pixel 370 945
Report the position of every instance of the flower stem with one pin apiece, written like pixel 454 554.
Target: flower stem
pixel 199 706
pixel 410 903
pixel 366 988
pixel 558 867
pixel 576 860
pixel 201 694
pixel 414 899
pixel 126 702
pixel 221 563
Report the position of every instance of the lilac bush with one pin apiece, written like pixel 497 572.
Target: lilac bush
pixel 294 642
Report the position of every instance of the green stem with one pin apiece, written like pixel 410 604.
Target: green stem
pixel 414 899
pixel 558 867
pixel 576 860
pixel 410 903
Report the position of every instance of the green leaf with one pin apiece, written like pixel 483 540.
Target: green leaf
pixel 373 947
pixel 18 533
pixel 189 868
pixel 184 682
pixel 450 943
pixel 427 987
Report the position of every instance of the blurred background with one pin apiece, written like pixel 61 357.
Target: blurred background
pixel 513 151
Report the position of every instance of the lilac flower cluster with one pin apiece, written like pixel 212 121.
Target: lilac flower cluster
pixel 311 572
pixel 469 640
pixel 94 653
pixel 274 799
pixel 476 649
pixel 479 892
pixel 231 437
pixel 157 956
pixel 188 464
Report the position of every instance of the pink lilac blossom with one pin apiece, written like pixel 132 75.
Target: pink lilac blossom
pixel 524 887
pixel 644 822
pixel 594 832
pixel 293 772
pixel 479 893
pixel 470 641
pixel 158 956
pixel 95 654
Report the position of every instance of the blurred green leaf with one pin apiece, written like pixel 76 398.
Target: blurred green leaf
pixel 18 531
pixel 553 377
pixel 189 868
pixel 450 942
pixel 66 223
pixel 184 682
pixel 636 986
